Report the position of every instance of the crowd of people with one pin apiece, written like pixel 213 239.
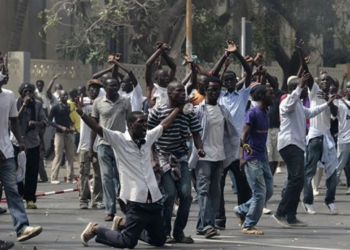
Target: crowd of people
pixel 147 152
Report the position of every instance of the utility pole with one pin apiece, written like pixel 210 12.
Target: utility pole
pixel 188 30
pixel 243 40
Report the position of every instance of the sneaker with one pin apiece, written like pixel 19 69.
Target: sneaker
pixel 116 226
pixel 88 234
pixel 348 191
pixel 84 205
pixel 282 221
pixel 266 211
pixel 55 182
pixel 297 223
pixel 332 208
pixel 100 205
pixel 240 217
pixel 316 192
pixel 309 208
pixel 31 205
pixel 5 245
pixel 29 232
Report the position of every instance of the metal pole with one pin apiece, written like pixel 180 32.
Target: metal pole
pixel 243 40
pixel 188 30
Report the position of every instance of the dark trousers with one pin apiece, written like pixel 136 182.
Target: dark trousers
pixel 42 171
pixel 294 159
pixel 28 189
pixel 244 193
pixel 143 221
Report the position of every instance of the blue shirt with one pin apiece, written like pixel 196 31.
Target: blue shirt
pixel 236 103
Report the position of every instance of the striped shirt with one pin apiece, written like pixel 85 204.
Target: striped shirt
pixel 174 138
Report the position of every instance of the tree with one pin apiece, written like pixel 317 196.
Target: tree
pixel 16 33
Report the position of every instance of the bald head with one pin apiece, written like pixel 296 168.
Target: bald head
pixel 174 85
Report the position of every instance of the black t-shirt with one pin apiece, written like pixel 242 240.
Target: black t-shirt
pixel 60 112
pixel 274 112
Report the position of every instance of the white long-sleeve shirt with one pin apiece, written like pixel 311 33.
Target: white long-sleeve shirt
pixel 293 120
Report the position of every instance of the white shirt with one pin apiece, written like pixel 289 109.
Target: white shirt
pixel 161 95
pixel 213 144
pixel 135 97
pixel 134 165
pixel 236 103
pixel 293 120
pixel 43 97
pixel 344 122
pixel 8 110
pixel 85 131
pixel 321 122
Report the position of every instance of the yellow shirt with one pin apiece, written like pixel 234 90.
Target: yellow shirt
pixel 74 116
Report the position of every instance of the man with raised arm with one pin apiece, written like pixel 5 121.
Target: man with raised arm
pixel 320 143
pixel 291 145
pixel 162 77
pixel 172 154
pixel 139 188
pixel 235 102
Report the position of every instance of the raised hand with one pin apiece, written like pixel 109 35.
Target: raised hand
pixel 56 76
pixel 231 47
pixel 308 59
pixel 259 58
pixel 79 103
pixel 304 79
pixel 165 46
pixel 260 71
pixel 118 56
pixel 299 44
pixel 187 58
pixel 249 59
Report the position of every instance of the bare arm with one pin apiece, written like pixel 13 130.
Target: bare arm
pixel 15 130
pixel 341 88
pixel 245 65
pixel 303 62
pixel 246 132
pixel 272 81
pixel 171 65
pixel 198 143
pixel 49 87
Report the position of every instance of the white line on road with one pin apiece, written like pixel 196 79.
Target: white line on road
pixel 220 239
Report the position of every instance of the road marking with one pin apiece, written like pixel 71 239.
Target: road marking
pixel 221 239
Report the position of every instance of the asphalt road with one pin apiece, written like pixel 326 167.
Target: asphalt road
pixel 63 223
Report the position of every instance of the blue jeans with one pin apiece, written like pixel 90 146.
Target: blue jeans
pixel 14 200
pixel 208 188
pixel 260 180
pixel 313 155
pixel 110 177
pixel 170 189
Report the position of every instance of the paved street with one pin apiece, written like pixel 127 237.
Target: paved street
pixel 63 223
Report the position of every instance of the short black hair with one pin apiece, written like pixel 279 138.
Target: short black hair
pixel 39 81
pixel 132 117
pixel 230 72
pixel 211 79
pixel 172 85
pixel 260 92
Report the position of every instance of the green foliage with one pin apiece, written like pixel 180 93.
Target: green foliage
pixel 208 38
